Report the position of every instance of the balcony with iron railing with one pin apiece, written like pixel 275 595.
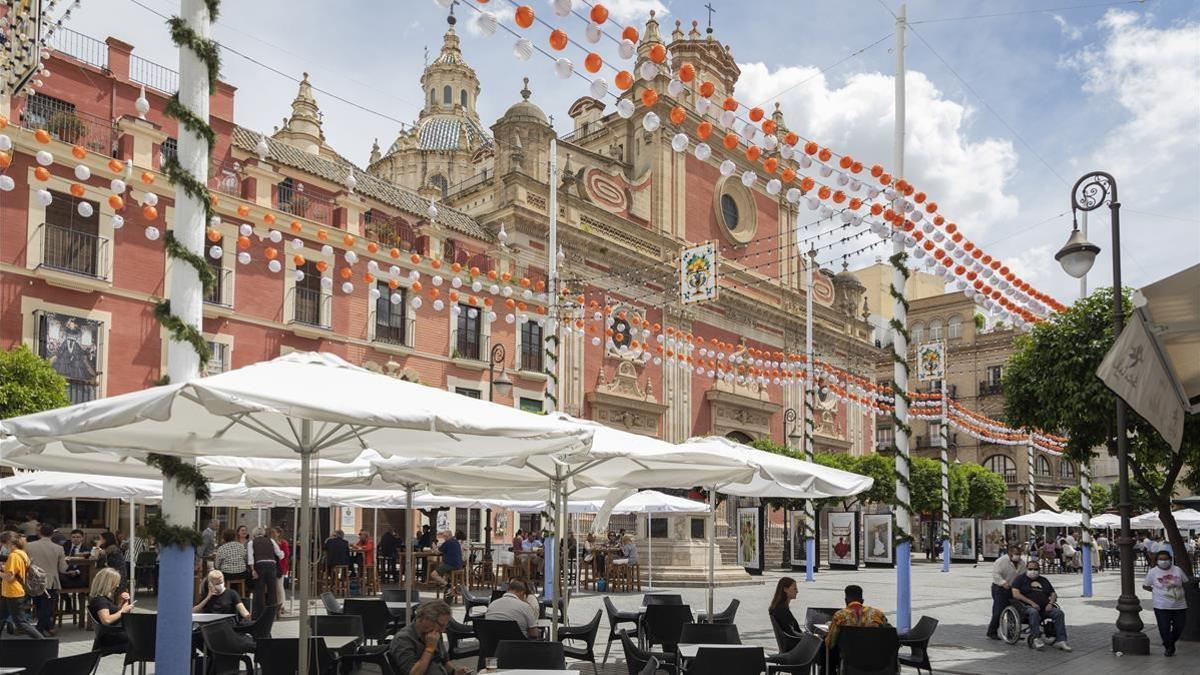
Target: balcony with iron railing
pixel 390 231
pixel 1010 477
pixel 932 440
pixel 531 357
pixel 310 307
pixel 153 75
pixel 472 346
pixel 587 130
pixel 75 251
pixel 295 201
pixel 470 182
pixel 69 125
pixel 221 293
pixel 987 388
pixel 226 178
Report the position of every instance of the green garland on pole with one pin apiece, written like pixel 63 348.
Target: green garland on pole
pixel 551 366
pixel 190 479
pixel 898 261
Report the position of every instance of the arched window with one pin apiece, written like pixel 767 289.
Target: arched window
pixel 738 437
pixel 729 210
pixel 954 328
pixel 1002 465
pixel 447 95
pixel 1066 469
pixel 439 181
pixel 432 97
pixel 1041 466
pixel 917 331
pixel 935 329
pixel 462 98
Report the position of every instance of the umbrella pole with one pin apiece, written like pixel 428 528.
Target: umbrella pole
pixel 712 545
pixel 294 563
pixel 74 525
pixel 306 523
pixel 412 559
pixel 132 555
pixel 649 555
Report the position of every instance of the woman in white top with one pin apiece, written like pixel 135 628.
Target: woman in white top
pixel 1165 582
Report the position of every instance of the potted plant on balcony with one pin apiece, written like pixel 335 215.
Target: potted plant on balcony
pixel 66 126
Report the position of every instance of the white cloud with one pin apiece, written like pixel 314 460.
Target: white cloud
pixel 966 176
pixel 504 14
pixel 1068 31
pixel 625 10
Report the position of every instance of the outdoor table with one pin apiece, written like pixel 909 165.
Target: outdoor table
pixel 201 618
pixel 685 652
pixel 532 671
pixel 337 642
pixel 16 669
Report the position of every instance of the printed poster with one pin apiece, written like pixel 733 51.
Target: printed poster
pixel 747 538
pixel 796 531
pixel 698 273
pixel 843 539
pixel 962 539
pixel 993 539
pixel 931 361
pixel 71 345
pixel 877 528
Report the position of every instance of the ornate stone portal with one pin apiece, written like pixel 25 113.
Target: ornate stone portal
pixel 740 409
pixel 622 404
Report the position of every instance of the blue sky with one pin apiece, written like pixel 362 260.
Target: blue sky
pixel 1004 112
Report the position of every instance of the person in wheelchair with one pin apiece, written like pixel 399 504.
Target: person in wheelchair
pixel 1037 594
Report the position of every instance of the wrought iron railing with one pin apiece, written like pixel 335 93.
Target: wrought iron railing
pixel 990 388
pixel 309 307
pixel 583 132
pixel 220 293
pixel 67 124
pixel 531 357
pixel 80 47
pixel 75 251
pixel 296 202
pixel 472 345
pixel 1010 477
pixel 394 335
pixel 153 75
pixel 470 182
pixel 392 232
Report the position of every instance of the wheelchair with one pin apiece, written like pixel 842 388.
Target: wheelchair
pixel 1014 625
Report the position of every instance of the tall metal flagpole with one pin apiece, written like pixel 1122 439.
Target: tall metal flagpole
pixel 900 368
pixel 1085 468
pixel 944 459
pixel 173 638
pixel 551 339
pixel 712 546
pixel 810 511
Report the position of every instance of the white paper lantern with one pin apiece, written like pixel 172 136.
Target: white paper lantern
pixel 6 183
pixel 476 286
pixel 298 275
pixel 727 167
pixel 297 244
pixel 215 252
pixel 455 310
pixel 774 186
pixel 813 203
pixel 44 158
pixel 648 70
pixel 152 233
pixel 507 291
pixel 455 282
pixel 702 152
pixel 679 142
pixel 44 197
pixel 85 209
pixel 599 88
pixel 82 172
pixel 825 171
pixel 805 161
pixel 437 280
pixel 347 287
pixel 472 313
pixel 523 49
pixel 527 294
pixel 494 289
pixel 595 341
pixel 625 108
pixel 275 236
pixel 486 23
pixel 394 271
pixel 727 118
pixel 793 195
pixel 396 298
pixel 748 178
pixel 326 250
pixel 416 302
pixel 274 266
pixel 373 293
pixel 326 283
pixel 702 106
pixel 674 88
pixel 770 142
pixel 491 316
pixel 351 257
pixel 5 143
pixel 593 33
pixel 509 318
pixel 627 49
pixel 117 221
pixel 438 305
pixel 563 68
pixel 562 7
pixel 650 121
pixel 149 199
pixel 243 257
pixel 245 230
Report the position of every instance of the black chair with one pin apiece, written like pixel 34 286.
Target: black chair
pixel 145 567
pixel 260 627
pixel 800 659
pixel 728 661
pixel 225 651
pixel 376 619
pixel 28 653
pixel 585 634
pixel 651 667
pixel 142 631
pixel 615 619
pixel 663 623
pixel 461 641
pixel 533 654
pixel 637 659
pixel 79 664
pixel 726 615
pixel 784 639
pixel 491 633
pixel 662 599
pixel 816 615
pixel 400 595
pixel 709 634
pixel 108 639
pixel 332 605
pixel 868 651
pixel 350 625
pixel 545 608
pixel 280 656
pixel 470 601
pixel 497 593
pixel 917 640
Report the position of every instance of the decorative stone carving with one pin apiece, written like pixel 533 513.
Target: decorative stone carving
pixel 744 408
pixel 622 404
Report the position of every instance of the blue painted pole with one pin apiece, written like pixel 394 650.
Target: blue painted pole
pixel 1087 570
pixel 904 586
pixel 810 557
pixel 174 630
pixel 945 555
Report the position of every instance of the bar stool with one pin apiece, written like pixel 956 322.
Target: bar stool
pixel 369 580
pixel 338 580
pixel 458 578
pixel 238 585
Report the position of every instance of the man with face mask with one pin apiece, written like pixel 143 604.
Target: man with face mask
pixel 1004 571
pixel 1165 582
pixel 1037 592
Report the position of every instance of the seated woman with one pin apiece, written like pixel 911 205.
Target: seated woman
pixel 108 608
pixel 220 600
pixel 780 608
pixel 629 552
pixel 112 556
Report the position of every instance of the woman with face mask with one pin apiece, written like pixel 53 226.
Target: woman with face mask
pixel 220 599
pixel 1165 583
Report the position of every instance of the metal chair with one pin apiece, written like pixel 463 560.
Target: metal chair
pixel 79 664
pixel 225 650
pixel 917 640
pixel 351 625
pixel 816 615
pixel 728 661
pixel 651 667
pixel 726 615
pixel 637 659
pixel 332 604
pixel 868 651
pixel 615 619
pixel 532 654
pixel 491 633
pixel 784 639
pixel 280 656
pixel 800 659
pixel 586 634
pixel 461 642
pixel 376 619
pixel 142 631
pixel 261 627
pixel 28 653
pixel 663 623
pixel 709 634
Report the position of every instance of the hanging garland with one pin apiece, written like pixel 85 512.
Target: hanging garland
pixel 898 261
pixel 208 51
pixel 189 479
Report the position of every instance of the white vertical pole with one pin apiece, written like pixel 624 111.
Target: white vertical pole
pixel 1030 495
pixel 1085 467
pixel 294 563
pixel 553 346
pixel 900 369
pixel 409 577
pixel 74 515
pixel 132 555
pixel 808 409
pixel 712 545
pixel 649 554
pixel 306 561
pixel 944 459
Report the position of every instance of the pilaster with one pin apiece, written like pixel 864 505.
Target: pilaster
pixel 138 138
pixel 261 179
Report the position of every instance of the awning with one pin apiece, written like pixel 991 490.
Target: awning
pixel 1049 500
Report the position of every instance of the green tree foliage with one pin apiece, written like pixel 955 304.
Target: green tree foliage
pixel 986 490
pixel 926 482
pixel 29 384
pixel 1069 499
pixel 1050 382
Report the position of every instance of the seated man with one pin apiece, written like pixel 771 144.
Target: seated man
pixel 854 614
pixel 1037 594
pixel 452 561
pixel 514 606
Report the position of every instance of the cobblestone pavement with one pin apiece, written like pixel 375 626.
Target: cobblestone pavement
pixel 960 601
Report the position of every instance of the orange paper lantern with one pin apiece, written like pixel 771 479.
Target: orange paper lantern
pixel 788 175
pixel 42 136
pixel 753 152
pixel 368 278
pixel 348 240
pixel 599 14
pixel 115 166
pixel 77 189
pixel 243 242
pixel 372 247
pixel 147 178
pixel 707 89
pixel 296 226
pixel 271 252
pixel 243 210
pixel 658 53
pixel 416 287
pixel 41 173
pixel 731 140
pixel 592 62
pixel 149 212
pixel 322 235
pixel 824 155
pixel 345 273
pixel 630 33
pixel 558 39
pixel 649 97
pixel 769 126
pixel 704 130
pixel 770 164
pixel 79 152
pixel 677 115
pixel 269 218
pixel 214 236
pixel 624 80
pixel 756 114
pixel 811 148
pixel 298 260
pixel 730 103
pixel 5 160
pixel 687 72
pixel 322 266
pixel 116 202
pixel 524 16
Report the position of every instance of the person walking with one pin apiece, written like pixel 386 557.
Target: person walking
pixel 13 577
pixel 1165 582
pixel 1004 571
pixel 51 559
pixel 262 559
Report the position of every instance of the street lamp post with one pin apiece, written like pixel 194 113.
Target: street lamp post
pixel 790 433
pixel 502 386
pixel 1076 257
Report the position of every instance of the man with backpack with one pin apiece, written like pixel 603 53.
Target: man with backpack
pixel 51 560
pixel 16 586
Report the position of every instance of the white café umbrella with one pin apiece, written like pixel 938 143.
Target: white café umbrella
pixel 1048 518
pixel 1186 519
pixel 301 403
pixel 776 476
pixel 1106 520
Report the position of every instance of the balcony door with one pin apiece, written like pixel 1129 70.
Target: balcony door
pixel 71 242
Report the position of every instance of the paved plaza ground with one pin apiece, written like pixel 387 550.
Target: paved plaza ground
pixel 960 601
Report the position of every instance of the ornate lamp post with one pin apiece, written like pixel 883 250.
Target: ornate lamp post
pixel 1076 257
pixel 502 386
pixel 791 433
